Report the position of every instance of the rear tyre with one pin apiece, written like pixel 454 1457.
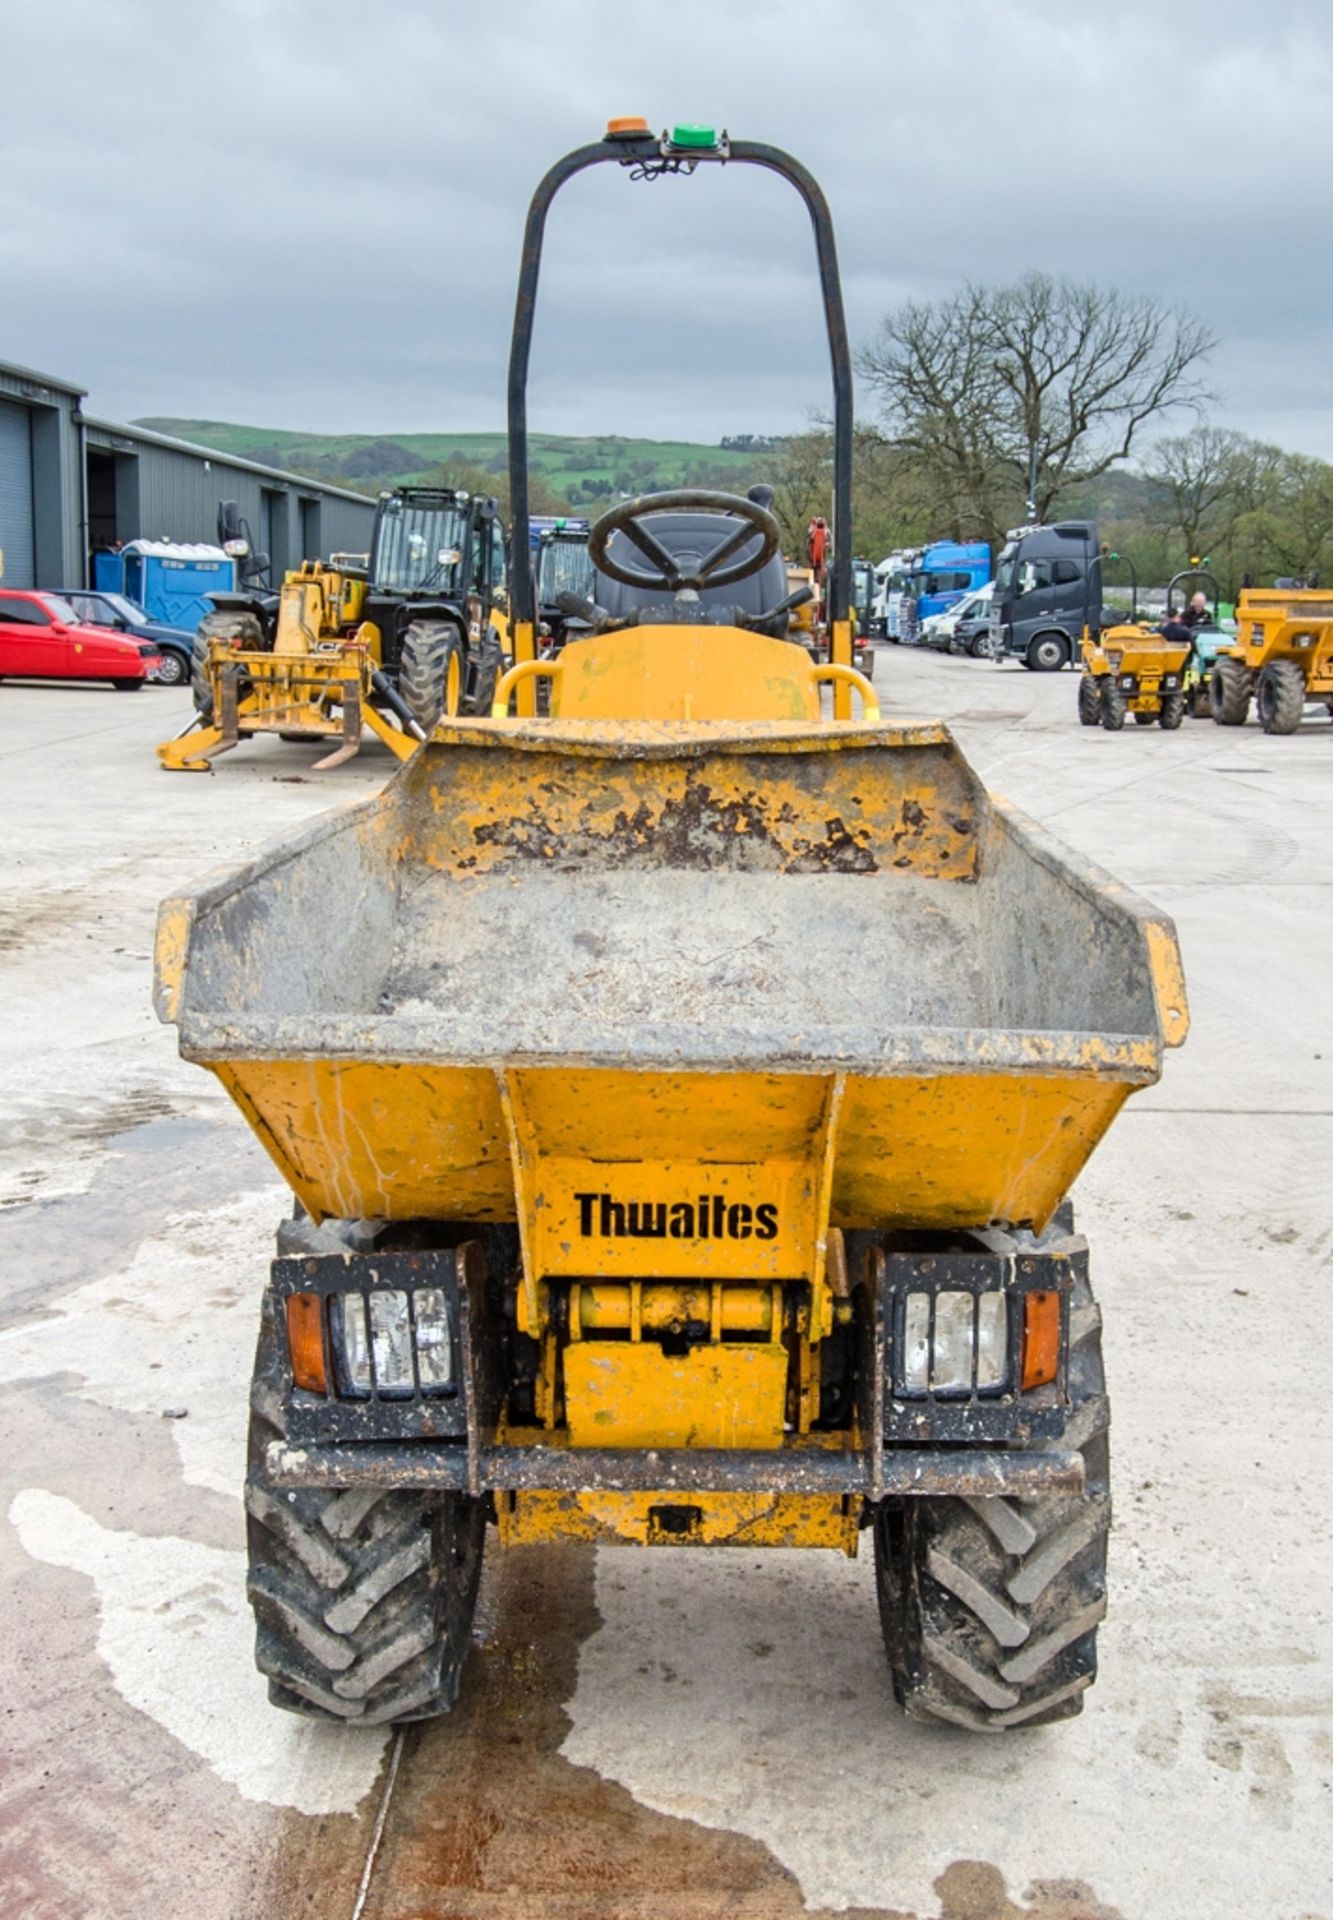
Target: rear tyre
pixel 1048 653
pixel 1144 719
pixel 1173 711
pixel 1112 714
pixel 432 672
pixel 990 1607
pixel 242 631
pixel 1089 701
pixel 1229 686
pixel 1280 697
pixel 127 686
pixel 363 1601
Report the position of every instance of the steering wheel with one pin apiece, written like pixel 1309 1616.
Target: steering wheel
pixel 667 573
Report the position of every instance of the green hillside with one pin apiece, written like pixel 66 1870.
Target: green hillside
pixel 581 470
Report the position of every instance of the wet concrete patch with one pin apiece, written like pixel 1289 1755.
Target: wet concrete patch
pixel 152 1169
pixel 489 1821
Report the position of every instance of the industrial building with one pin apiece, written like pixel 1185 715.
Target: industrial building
pixel 71 483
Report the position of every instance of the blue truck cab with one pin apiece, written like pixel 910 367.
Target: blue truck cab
pixel 946 571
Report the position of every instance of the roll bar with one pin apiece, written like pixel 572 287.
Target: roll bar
pixel 647 156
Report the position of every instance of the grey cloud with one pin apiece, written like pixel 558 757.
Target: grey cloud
pixel 309 214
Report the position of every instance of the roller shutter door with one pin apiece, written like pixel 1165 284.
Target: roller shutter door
pixel 16 542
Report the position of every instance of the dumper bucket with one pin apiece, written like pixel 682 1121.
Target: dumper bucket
pixel 809 967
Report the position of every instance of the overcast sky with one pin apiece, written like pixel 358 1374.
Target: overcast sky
pixel 307 213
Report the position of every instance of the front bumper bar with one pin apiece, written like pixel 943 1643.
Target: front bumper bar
pixel 964 1472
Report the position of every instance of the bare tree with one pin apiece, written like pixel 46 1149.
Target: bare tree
pixel 1013 395
pixel 1202 473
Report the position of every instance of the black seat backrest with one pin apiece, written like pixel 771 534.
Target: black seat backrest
pixel 692 535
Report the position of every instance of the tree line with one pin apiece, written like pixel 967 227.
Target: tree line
pixel 1038 400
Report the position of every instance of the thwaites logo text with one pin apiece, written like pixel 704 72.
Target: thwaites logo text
pixel 707 1216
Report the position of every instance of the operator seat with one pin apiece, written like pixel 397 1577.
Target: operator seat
pixel 692 535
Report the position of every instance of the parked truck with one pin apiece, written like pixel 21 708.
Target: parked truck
pixel 1048 591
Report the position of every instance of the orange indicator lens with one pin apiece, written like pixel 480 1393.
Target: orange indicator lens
pixel 305 1341
pixel 1041 1338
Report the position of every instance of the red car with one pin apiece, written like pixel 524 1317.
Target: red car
pixel 42 638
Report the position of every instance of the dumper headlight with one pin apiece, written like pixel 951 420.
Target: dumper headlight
pixel 392 1344
pixel 954 1342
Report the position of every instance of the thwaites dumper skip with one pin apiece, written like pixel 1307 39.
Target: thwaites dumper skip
pixel 629 1210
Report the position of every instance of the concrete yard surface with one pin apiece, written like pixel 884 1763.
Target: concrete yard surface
pixel 670 1735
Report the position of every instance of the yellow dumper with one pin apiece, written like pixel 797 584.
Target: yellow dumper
pixel 1282 658
pixel 1132 669
pixel 627 1209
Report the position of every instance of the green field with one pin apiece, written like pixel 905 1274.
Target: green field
pixel 582 470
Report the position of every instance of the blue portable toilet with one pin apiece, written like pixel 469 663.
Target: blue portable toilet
pixel 170 579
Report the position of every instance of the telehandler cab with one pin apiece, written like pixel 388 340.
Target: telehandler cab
pixel 394 641
pixel 626 1210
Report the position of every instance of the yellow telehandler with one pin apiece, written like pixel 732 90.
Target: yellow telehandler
pixel 392 640
pixel 626 1209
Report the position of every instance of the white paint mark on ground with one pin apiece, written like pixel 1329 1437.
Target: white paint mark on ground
pixel 175 1632
pixel 175 1328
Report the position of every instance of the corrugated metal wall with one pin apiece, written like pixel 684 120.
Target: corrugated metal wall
pixel 141 486
pixel 16 510
pixel 40 460
pixel 179 490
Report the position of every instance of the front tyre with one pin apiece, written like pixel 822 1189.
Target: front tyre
pixel 1280 697
pixel 1229 689
pixel 127 686
pixel 363 1601
pixel 990 1607
pixel 432 672
pixel 1172 711
pixel 242 632
pixel 489 669
pixel 1112 705
pixel 1089 701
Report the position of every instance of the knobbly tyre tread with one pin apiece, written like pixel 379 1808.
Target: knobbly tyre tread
pixel 1111 707
pixel 363 1601
pixel 235 628
pixel 1144 719
pixel 423 669
pixel 1281 697
pixel 1172 711
pixel 1230 685
pixel 1089 700
pixel 489 668
pixel 990 1607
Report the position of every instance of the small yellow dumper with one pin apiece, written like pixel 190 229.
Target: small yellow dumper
pixel 1132 669
pixel 627 1210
